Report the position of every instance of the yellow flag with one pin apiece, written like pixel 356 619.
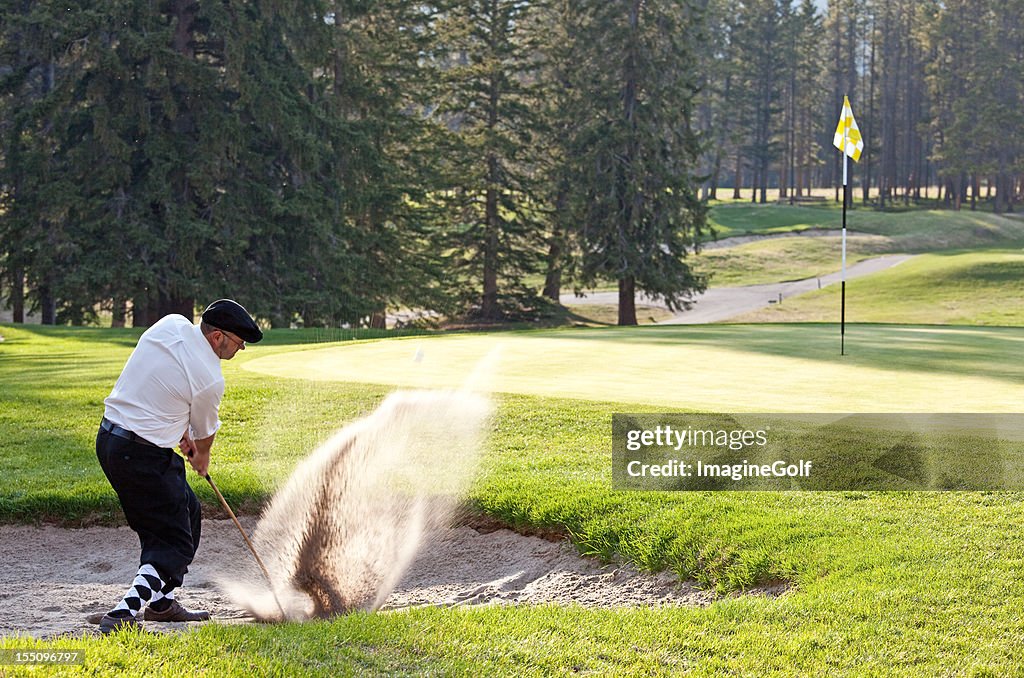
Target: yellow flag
pixel 847 138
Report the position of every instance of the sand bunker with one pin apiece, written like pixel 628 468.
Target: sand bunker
pixel 361 524
pixel 86 570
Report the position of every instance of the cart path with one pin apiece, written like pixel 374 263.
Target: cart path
pixel 721 303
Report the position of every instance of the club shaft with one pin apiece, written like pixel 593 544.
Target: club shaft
pixel 248 543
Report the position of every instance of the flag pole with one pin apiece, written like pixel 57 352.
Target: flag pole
pixel 842 140
pixel 842 306
pixel 842 303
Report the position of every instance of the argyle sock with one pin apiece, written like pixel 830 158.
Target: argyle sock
pixel 145 588
pixel 162 599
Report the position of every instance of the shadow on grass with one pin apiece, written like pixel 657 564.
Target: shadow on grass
pixel 991 352
pixel 127 338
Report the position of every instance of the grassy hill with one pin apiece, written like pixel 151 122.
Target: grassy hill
pixel 984 287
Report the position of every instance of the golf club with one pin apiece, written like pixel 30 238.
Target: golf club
pixel 252 549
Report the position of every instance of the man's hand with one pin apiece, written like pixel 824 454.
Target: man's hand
pixel 197 452
pixel 200 462
pixel 187 447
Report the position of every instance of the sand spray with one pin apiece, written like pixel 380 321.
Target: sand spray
pixel 340 533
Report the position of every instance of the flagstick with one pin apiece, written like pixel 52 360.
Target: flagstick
pixel 842 303
pixel 842 313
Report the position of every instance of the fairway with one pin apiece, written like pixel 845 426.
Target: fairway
pixel 784 368
pixel 912 231
pixel 984 287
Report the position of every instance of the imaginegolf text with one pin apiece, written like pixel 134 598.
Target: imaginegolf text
pixel 678 469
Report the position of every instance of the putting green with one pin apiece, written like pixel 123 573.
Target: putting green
pixel 771 368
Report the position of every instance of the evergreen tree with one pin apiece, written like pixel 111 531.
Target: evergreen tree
pixel 634 148
pixel 490 102
pixel 977 125
pixel 553 25
pixel 163 153
pixel 761 50
pixel 383 84
pixel 721 97
pixel 36 42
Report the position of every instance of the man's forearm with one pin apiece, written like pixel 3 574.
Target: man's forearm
pixel 203 445
pixel 200 457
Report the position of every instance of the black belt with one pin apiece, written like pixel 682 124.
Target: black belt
pixel 121 432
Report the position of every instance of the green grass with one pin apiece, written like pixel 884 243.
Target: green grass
pixel 914 231
pixel 871 233
pixel 596 315
pixel 730 220
pixel 54 381
pixel 715 367
pixel 968 288
pixel 884 583
pixel 783 259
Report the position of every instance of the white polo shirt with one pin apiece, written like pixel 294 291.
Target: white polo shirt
pixel 172 381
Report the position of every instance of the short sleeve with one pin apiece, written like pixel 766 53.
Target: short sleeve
pixel 204 416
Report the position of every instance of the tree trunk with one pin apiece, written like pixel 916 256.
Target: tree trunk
pixel 168 305
pixel 627 301
pixel 764 182
pixel 492 226
pixel 18 295
pixel 739 176
pixel 145 308
pixel 489 303
pixel 869 159
pixel 553 278
pixel 48 303
pixel 716 171
pixel 139 315
pixel 117 312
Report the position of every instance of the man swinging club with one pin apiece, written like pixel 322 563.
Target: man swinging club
pixel 168 394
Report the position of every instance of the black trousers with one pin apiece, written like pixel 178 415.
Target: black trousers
pixel 157 501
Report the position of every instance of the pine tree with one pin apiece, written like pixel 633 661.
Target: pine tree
pixel 165 153
pixel 635 151
pixel 490 102
pixel 721 95
pixel 759 36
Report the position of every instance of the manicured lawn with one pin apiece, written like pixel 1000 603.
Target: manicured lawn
pixel 871 233
pixel 791 368
pixel 783 259
pixel 971 288
pixel 914 231
pixel 882 583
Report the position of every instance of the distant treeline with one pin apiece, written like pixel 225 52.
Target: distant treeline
pixel 937 87
pixel 325 162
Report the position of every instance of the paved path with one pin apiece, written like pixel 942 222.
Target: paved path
pixel 722 303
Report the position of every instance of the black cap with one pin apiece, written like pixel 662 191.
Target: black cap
pixel 228 315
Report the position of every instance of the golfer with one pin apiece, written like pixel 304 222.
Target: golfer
pixel 168 394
